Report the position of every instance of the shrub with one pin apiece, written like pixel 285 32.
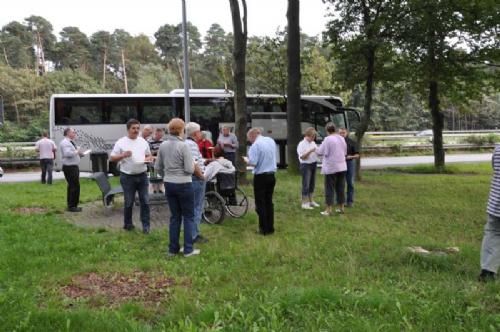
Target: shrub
pixel 476 140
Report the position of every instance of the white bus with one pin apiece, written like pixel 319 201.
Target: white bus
pixel 99 119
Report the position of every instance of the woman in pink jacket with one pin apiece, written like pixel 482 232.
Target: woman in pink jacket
pixel 333 149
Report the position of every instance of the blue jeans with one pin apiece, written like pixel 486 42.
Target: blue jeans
pixel 47 165
pixel 180 199
pixel 349 179
pixel 131 184
pixel 308 172
pixel 490 248
pixel 199 194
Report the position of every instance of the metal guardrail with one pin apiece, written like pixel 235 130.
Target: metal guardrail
pixel 17 144
pixel 423 147
pixel 395 148
pixel 19 161
pixel 445 132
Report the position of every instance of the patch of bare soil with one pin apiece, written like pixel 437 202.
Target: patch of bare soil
pixel 111 290
pixel 95 215
pixel 31 210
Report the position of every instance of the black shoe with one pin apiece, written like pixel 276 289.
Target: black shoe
pixel 200 239
pixel 145 230
pixel 486 276
pixel 74 209
pixel 129 227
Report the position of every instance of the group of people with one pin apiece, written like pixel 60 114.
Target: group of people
pixel 181 163
pixel 185 172
pixel 338 152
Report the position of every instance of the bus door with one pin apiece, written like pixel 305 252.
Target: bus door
pixel 324 117
pixel 320 121
pixel 353 119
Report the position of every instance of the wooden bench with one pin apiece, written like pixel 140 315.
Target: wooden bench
pixel 108 193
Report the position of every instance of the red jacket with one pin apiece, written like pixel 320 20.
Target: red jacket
pixel 204 146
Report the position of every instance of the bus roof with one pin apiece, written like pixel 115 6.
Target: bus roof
pixel 192 93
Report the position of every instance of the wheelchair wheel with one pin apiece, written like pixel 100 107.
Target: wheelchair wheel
pixel 237 205
pixel 213 208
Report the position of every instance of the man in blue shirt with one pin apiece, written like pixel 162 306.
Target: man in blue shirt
pixel 262 155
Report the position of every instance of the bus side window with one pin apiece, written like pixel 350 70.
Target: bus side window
pixel 80 112
pixel 120 111
pixel 306 112
pixel 206 112
pixel 227 111
pixel 157 111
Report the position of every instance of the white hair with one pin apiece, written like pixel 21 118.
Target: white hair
pixel 254 132
pixel 191 128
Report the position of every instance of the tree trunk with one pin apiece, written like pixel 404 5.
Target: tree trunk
pixel 18 117
pixel 41 59
pixel 293 87
pixel 105 55
pixel 239 62
pixel 179 71
pixel 367 107
pixel 5 56
pixel 437 126
pixel 124 72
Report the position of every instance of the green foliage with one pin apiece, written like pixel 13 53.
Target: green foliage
pixel 69 81
pixel 154 79
pixel 17 46
pixel 73 50
pixel 26 96
pixel 480 140
pixel 75 64
pixel 349 272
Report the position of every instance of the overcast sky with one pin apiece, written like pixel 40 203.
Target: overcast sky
pixel 146 16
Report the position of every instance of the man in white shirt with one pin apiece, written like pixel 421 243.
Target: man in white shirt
pixel 132 153
pixel 46 149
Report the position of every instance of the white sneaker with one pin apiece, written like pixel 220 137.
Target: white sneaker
pixel 314 204
pixel 306 206
pixel 192 253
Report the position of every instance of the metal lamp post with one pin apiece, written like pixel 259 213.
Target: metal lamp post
pixel 186 64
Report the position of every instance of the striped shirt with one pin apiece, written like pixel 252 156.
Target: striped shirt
pixel 494 199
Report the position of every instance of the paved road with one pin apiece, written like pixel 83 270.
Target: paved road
pixel 367 163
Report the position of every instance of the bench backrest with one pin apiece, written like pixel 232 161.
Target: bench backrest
pixel 102 181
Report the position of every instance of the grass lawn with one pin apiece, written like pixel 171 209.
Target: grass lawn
pixel 316 273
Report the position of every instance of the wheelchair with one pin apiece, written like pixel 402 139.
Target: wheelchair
pixel 224 197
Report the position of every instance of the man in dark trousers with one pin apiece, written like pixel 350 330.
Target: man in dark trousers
pixel 350 159
pixel 70 158
pixel 262 155
pixel 46 149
